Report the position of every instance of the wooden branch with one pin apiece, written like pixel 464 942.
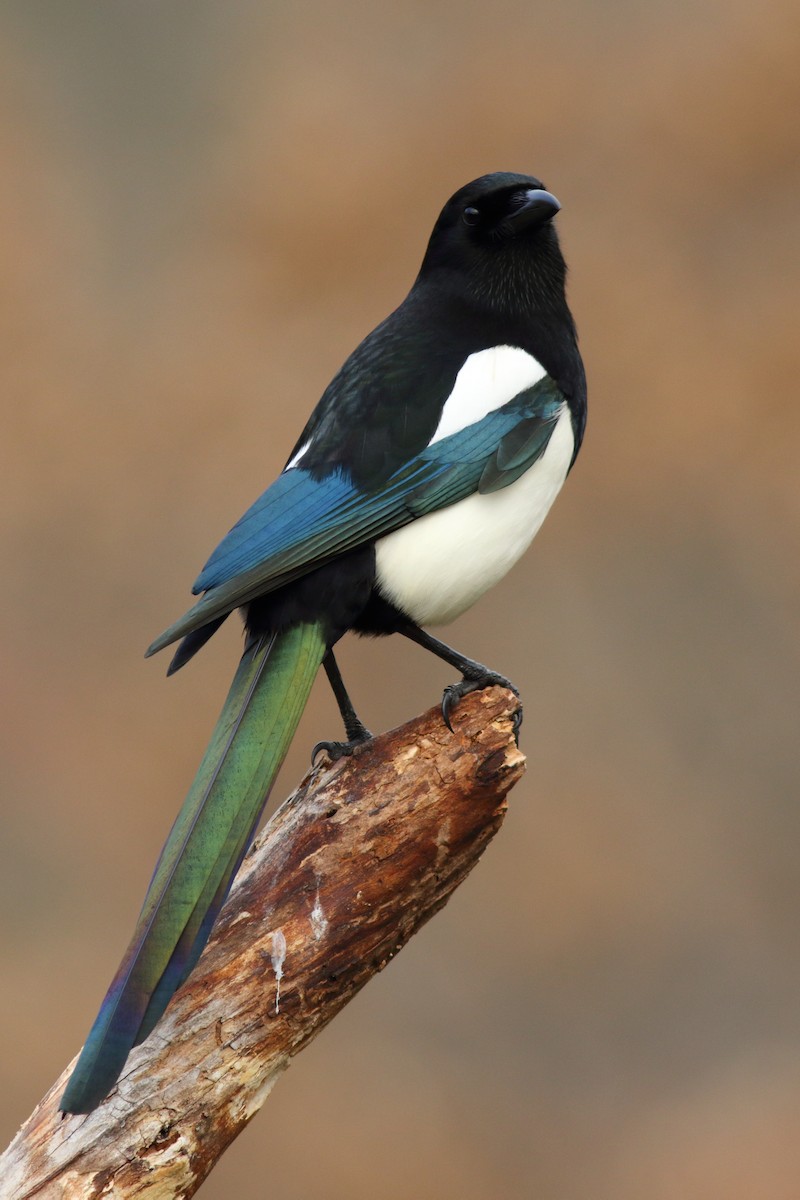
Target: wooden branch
pixel 351 865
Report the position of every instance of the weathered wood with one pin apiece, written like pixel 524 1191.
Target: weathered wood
pixel 351 865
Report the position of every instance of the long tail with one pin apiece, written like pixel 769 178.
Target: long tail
pixel 202 853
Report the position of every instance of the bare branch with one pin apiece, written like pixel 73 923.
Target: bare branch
pixel 354 862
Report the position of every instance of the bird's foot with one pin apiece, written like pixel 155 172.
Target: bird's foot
pixel 337 750
pixel 474 681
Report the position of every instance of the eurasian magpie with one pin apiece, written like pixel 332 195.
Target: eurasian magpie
pixel 420 478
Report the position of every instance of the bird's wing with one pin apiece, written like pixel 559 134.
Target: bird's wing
pixel 301 522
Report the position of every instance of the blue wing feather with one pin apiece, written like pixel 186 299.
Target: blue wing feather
pixel 302 521
pixel 293 505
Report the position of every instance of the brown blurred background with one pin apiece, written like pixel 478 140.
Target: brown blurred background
pixel 203 208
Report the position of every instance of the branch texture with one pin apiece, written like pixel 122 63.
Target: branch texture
pixel 350 866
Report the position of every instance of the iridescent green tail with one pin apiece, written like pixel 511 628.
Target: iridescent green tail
pixel 203 851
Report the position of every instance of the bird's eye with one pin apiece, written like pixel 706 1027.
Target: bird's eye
pixel 471 216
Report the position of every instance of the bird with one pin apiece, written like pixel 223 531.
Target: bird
pixel 421 477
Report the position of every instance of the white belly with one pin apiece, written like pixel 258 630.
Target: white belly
pixel 440 564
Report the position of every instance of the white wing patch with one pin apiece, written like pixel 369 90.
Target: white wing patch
pixel 487 381
pixel 295 459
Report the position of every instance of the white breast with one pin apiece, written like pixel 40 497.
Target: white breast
pixel 440 564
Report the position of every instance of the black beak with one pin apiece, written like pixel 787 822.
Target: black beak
pixel 537 207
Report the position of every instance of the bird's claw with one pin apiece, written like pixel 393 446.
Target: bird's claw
pixel 454 692
pixel 516 724
pixel 337 750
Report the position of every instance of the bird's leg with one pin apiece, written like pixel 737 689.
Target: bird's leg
pixel 354 728
pixel 357 732
pixel 474 675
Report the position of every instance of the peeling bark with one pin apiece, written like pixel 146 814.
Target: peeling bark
pixel 352 864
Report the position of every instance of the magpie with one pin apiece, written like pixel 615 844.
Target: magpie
pixel 421 477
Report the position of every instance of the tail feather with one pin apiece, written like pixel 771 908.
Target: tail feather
pixel 193 642
pixel 191 944
pixel 203 851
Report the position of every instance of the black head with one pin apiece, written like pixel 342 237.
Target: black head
pixel 495 239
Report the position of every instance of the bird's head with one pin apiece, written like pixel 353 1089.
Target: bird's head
pixel 495 238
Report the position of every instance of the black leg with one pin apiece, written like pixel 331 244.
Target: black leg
pixel 474 675
pixel 357 732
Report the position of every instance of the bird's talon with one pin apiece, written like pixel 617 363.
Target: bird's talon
pixel 334 751
pixel 474 682
pixel 516 724
pixel 492 679
pixel 337 750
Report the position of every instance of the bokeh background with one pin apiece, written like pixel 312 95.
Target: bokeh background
pixel 203 208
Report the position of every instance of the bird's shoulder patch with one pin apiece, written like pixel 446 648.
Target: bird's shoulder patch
pixel 487 380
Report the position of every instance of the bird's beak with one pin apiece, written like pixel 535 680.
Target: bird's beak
pixel 538 206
